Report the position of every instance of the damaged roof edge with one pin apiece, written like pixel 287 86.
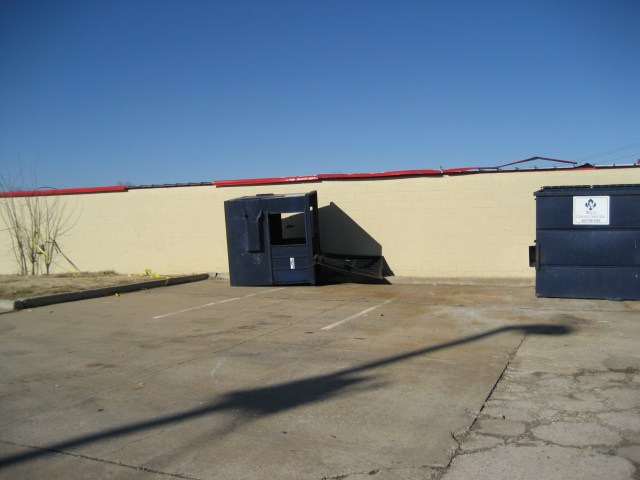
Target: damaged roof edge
pixel 506 168
pixel 419 173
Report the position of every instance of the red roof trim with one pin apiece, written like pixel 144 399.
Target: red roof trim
pixel 395 173
pixel 264 181
pixel 63 191
pixel 414 173
pixel 330 176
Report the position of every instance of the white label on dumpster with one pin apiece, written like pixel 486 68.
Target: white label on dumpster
pixel 591 210
pixel 292 263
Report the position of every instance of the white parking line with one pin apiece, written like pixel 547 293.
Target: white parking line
pixel 215 303
pixel 266 291
pixel 360 314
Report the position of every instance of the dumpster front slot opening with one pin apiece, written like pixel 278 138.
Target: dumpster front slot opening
pixel 287 228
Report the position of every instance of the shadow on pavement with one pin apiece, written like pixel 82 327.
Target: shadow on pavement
pixel 278 397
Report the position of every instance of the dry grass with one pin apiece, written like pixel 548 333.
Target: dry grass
pixel 14 286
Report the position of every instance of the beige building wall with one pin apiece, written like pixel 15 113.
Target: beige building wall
pixel 464 226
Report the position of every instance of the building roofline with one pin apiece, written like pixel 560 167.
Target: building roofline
pixel 394 174
pixel 419 173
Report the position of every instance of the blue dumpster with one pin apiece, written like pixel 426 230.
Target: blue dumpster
pixel 272 239
pixel 588 242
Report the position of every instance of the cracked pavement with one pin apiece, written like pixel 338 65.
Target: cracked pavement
pixel 566 407
pixel 206 381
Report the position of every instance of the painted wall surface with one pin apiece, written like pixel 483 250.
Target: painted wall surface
pixel 466 226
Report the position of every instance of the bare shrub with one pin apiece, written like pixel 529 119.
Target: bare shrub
pixel 35 223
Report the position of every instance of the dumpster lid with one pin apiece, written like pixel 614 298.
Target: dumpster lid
pixel 268 196
pixel 358 265
pixel 569 190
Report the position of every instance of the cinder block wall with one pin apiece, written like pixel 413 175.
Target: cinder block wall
pixel 467 226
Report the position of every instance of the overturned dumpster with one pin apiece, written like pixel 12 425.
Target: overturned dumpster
pixel 275 240
pixel 588 242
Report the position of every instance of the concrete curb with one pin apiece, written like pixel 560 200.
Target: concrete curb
pixel 7 306
pixel 33 302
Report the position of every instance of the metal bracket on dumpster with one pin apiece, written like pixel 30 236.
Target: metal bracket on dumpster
pixel 253 221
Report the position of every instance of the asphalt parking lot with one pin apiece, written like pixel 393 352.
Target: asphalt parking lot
pixel 208 381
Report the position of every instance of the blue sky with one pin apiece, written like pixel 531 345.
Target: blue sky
pixel 157 91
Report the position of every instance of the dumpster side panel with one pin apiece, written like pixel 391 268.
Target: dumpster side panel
pixel 246 244
pixel 557 211
pixel 292 264
pixel 621 283
pixel 589 248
